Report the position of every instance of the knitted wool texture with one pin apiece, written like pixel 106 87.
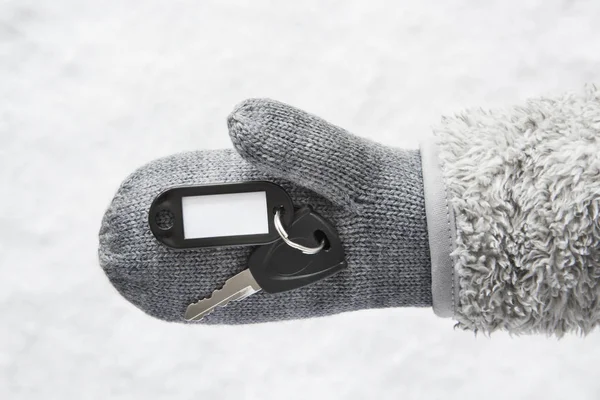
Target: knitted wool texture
pixel 371 193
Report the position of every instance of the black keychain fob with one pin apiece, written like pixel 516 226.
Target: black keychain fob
pixel 277 267
pixel 228 214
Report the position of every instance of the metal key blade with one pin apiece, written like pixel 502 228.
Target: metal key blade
pixel 236 288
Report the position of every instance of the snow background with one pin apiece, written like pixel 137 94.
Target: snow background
pixel 91 90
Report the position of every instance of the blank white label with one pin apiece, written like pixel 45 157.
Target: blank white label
pixel 219 215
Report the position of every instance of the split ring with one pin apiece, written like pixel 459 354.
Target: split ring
pixel 285 238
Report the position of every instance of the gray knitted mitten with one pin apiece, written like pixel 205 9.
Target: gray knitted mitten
pixel 371 193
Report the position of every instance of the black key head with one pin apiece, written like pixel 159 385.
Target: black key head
pixel 277 267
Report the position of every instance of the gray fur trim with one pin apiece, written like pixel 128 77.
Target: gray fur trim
pixel 524 184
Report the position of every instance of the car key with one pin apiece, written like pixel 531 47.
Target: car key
pixel 282 265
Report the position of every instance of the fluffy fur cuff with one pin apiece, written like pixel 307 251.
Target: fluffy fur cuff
pixel 524 188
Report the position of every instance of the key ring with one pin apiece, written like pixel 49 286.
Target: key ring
pixel 285 238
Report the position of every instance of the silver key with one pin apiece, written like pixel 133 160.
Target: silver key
pixel 237 288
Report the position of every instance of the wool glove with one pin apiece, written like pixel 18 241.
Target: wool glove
pixel 372 194
pixel 495 222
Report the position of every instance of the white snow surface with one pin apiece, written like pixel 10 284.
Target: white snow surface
pixel 90 90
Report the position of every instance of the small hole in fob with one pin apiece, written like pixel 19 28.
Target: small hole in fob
pixel 320 236
pixel 280 209
pixel 165 219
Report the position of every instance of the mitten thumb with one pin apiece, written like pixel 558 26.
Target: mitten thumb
pixel 294 145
